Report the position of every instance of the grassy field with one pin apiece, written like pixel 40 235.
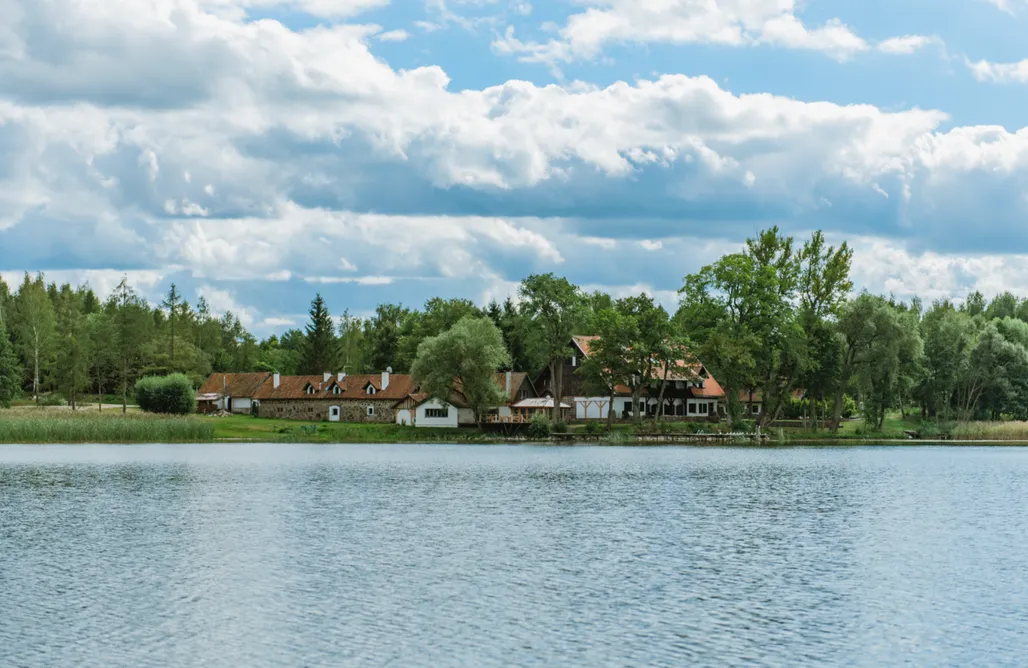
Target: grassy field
pixel 246 428
pixel 61 425
pixel 33 425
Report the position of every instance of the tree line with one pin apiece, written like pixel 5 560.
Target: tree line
pixel 778 321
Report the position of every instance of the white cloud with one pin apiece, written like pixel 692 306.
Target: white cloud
pixel 224 301
pixel 986 71
pixel 907 44
pixel 393 36
pixel 650 245
pixel 278 322
pixel 332 9
pixel 347 265
pixel 727 22
pixel 269 113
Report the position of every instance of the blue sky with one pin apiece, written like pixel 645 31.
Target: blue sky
pixel 257 151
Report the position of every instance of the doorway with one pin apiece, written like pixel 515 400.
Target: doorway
pixel 333 414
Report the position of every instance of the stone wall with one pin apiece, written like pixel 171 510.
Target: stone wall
pixel 351 410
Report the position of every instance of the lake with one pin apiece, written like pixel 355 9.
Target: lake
pixel 343 555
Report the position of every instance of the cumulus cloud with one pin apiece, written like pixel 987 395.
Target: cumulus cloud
pixel 986 71
pixel 726 22
pixel 290 137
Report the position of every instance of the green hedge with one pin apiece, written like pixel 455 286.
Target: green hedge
pixel 166 394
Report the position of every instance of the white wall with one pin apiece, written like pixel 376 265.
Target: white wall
pixel 240 405
pixel 420 420
pixel 403 416
pixel 592 408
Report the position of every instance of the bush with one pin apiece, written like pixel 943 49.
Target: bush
pixel 166 394
pixel 539 427
pixel 559 427
pixel 593 427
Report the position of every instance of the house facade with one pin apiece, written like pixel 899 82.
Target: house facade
pixel 690 392
pixel 421 410
pixel 333 397
pixel 230 392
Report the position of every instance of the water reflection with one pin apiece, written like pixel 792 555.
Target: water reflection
pixel 488 556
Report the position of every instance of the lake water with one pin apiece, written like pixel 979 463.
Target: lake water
pixel 258 556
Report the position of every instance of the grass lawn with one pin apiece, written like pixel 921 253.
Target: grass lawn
pixel 247 428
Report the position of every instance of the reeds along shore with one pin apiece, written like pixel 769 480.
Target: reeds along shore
pixel 19 427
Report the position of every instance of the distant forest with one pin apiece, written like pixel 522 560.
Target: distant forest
pixel 777 318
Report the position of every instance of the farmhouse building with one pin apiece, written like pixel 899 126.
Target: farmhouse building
pixel 690 391
pixel 230 392
pixel 423 411
pixel 333 397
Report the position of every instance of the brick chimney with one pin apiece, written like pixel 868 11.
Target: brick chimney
pixel 385 377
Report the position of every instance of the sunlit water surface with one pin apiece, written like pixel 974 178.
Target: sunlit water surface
pixel 288 555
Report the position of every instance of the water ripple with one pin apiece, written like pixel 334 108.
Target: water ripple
pixel 261 556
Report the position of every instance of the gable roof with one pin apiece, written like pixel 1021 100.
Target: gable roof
pixel 233 384
pixel 353 387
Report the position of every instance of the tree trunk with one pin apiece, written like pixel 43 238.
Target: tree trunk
pixel 659 415
pixel 556 383
pixel 610 410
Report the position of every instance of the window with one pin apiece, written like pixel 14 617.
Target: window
pixel 692 409
pixel 371 411
pixel 370 389
pixel 336 390
pixel 755 409
pixel 523 394
pixel 704 408
pixel 309 389
pixel 437 412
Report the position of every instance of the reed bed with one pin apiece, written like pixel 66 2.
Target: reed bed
pixel 35 426
pixel 991 431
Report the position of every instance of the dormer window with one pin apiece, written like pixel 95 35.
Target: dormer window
pixel 336 390
pixel 370 389
pixel 309 389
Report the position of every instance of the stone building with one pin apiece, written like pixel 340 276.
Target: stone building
pixel 334 397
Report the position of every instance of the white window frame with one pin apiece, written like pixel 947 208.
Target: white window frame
pixel 370 389
pixel 439 413
pixel 371 411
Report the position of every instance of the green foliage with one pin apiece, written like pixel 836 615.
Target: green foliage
pixel 467 356
pixel 10 370
pixel 166 394
pixel 559 427
pixel 593 428
pixel 555 307
pixel 320 350
pixel 91 427
pixel 539 427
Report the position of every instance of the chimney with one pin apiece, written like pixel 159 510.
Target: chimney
pixel 224 384
pixel 341 377
pixel 328 374
pixel 276 380
pixel 385 377
pixel 510 376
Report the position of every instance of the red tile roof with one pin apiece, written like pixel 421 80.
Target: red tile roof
pixel 233 384
pixel 353 387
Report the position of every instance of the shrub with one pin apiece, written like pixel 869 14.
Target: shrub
pixel 559 427
pixel 166 394
pixel 593 427
pixel 539 427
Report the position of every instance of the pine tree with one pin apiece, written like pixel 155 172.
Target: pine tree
pixel 10 372
pixel 320 351
pixel 171 302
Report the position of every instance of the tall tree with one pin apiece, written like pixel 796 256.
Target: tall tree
pixel 35 329
pixel 555 307
pixel 103 358
pixel 644 354
pixel 382 336
pixel 320 353
pixel 10 371
pixel 607 365
pixel 351 343
pixel 132 325
pixel 466 356
pixel 172 302
pixel 72 360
